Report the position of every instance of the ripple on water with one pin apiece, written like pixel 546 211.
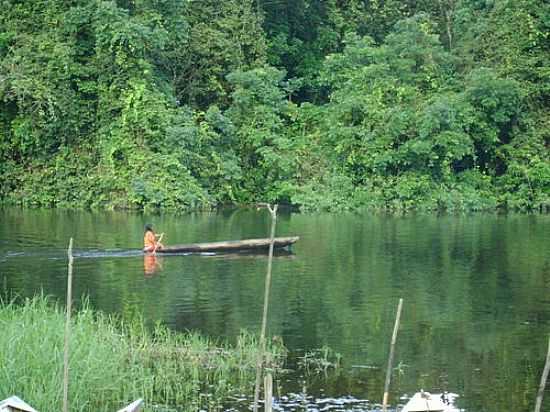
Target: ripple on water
pixel 300 402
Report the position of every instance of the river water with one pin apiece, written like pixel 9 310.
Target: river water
pixel 476 291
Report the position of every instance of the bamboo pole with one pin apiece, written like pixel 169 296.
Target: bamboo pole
pixel 390 359
pixel 268 395
pixel 259 364
pixel 68 329
pixel 543 380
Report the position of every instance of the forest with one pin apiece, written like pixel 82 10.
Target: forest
pixel 393 105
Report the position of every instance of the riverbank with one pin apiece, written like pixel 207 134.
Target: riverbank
pixel 113 362
pixel 406 194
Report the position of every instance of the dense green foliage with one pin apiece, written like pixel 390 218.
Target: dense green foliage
pixel 326 105
pixel 168 370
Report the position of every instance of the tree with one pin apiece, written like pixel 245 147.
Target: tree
pixel 223 37
pixel 258 111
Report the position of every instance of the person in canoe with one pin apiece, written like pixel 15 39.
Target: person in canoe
pixel 151 241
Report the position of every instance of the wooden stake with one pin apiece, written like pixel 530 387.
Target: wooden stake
pixel 390 360
pixel 543 380
pixel 304 398
pixel 259 364
pixel 268 395
pixel 68 329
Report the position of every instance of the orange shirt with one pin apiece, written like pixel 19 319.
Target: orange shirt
pixel 149 241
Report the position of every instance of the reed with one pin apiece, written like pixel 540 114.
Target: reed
pixel 320 361
pixel 114 363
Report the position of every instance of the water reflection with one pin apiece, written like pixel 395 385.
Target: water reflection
pixel 152 264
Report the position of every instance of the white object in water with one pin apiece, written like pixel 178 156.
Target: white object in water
pixel 133 407
pixel 427 402
pixel 14 404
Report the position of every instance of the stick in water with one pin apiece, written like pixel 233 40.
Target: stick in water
pixel 543 380
pixel 259 363
pixel 268 388
pixel 68 329
pixel 390 360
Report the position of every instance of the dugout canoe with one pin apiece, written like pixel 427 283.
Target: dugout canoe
pixel 232 245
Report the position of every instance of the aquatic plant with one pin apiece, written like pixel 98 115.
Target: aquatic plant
pixel 320 360
pixel 113 362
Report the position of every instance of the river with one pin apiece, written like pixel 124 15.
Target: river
pixel 476 291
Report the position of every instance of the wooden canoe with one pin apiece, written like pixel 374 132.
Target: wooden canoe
pixel 231 245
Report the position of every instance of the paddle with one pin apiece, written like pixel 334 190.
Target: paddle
pixel 154 252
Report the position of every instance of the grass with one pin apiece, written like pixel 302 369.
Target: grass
pixel 113 363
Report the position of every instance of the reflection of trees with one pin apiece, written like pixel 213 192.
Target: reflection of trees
pixel 475 291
